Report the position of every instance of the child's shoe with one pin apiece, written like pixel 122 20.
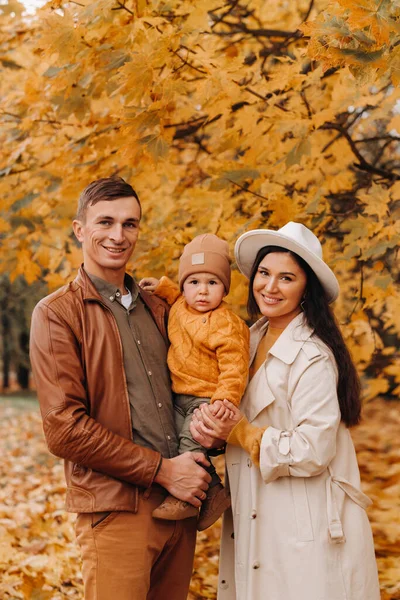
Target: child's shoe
pixel 217 501
pixel 173 509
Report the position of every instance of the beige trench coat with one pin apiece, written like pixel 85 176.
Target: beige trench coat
pixel 300 527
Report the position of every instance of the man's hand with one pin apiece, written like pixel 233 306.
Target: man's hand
pixel 149 284
pixel 184 478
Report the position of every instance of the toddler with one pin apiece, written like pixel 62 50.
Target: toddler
pixel 208 357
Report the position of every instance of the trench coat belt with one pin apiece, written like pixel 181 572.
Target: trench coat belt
pixel 334 522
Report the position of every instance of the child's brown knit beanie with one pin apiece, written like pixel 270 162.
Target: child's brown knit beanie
pixel 206 253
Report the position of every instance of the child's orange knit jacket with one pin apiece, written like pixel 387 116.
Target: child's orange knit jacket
pixel 209 353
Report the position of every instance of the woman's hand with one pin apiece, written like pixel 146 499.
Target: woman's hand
pixel 149 284
pixel 209 425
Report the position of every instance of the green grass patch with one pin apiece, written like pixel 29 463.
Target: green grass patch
pixel 20 401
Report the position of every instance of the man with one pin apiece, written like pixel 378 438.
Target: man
pixel 98 353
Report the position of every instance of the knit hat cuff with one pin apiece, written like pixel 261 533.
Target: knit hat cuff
pixel 205 262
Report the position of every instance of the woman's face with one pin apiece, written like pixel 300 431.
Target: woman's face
pixel 279 287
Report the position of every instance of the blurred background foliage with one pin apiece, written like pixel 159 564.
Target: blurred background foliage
pixel 224 116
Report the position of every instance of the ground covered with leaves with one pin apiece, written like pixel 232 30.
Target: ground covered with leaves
pixel 39 559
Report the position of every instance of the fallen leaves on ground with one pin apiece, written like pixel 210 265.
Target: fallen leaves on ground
pixel 39 558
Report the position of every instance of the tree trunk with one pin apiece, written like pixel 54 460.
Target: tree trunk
pixel 22 369
pixel 6 351
pixel 5 332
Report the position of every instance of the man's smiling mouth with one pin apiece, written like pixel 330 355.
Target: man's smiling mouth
pixel 114 250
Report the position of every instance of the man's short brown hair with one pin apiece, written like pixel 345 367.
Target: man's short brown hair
pixel 106 188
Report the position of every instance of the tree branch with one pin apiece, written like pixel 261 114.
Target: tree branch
pixel 261 32
pixel 10 114
pixel 360 295
pixel 264 98
pixel 349 124
pixel 188 64
pixel 220 18
pixel 310 7
pixel 363 164
pixel 199 142
pixel 192 127
pixel 377 138
pixel 381 151
pixel 122 6
pixel 308 107
pixel 186 123
pixel 246 189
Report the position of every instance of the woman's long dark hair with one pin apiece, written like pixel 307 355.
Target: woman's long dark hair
pixel 320 317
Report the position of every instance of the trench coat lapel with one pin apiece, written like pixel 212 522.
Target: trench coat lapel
pixel 260 393
pixel 291 340
pixel 256 333
pixel 286 348
pixel 289 343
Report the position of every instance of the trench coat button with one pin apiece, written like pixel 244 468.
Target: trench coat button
pixel 111 298
pixel 117 294
pixel 253 514
pixel 204 319
pixel 223 584
pixel 249 463
pixel 256 565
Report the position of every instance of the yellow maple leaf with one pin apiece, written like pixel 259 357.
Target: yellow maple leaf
pixel 26 267
pixel 370 15
pixel 375 387
pixel 59 35
pixel 376 201
pixel 135 79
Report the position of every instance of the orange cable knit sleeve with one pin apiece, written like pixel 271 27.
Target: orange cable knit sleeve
pixel 168 290
pixel 248 437
pixel 229 337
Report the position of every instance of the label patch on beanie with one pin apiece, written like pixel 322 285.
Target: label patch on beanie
pixel 198 259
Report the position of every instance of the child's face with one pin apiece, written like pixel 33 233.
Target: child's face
pixel 203 291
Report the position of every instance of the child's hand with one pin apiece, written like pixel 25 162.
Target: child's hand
pixel 215 407
pixel 204 423
pixel 149 284
pixel 220 411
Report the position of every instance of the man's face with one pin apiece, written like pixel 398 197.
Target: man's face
pixel 108 235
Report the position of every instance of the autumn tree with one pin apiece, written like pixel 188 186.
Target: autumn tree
pixel 17 300
pixel 225 116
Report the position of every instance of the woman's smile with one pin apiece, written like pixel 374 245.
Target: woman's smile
pixel 271 299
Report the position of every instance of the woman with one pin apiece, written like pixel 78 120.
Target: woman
pixel 299 530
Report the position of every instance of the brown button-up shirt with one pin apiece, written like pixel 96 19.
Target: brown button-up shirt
pixel 146 371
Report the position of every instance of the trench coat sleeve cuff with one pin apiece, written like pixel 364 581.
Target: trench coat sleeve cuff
pixel 273 463
pixel 167 290
pixel 248 437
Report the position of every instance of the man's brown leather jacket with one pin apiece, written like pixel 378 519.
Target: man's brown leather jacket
pixel 77 362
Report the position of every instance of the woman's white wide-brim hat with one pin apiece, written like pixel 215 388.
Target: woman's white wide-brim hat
pixel 294 237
